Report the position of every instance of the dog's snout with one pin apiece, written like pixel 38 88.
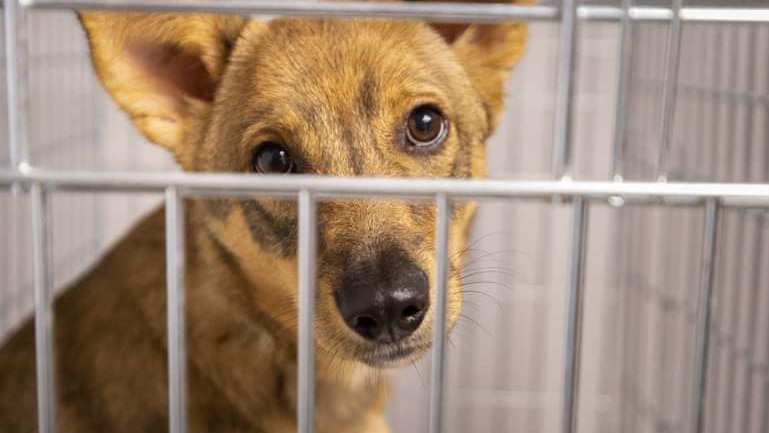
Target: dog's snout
pixel 394 317
pixel 384 299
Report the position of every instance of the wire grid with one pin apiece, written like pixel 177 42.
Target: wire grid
pixel 649 415
pixel 721 132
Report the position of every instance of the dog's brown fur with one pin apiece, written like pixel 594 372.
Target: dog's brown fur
pixel 209 89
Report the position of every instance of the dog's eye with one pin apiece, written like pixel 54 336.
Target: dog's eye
pixel 272 158
pixel 426 127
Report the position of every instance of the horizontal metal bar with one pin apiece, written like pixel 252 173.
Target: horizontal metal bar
pixel 438 11
pixel 725 15
pixel 729 194
pixel 450 12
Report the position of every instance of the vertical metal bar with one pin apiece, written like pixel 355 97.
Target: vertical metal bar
pixel 714 49
pixel 574 317
pixel 439 338
pixel 758 253
pixel 703 317
pixel 15 81
pixel 663 316
pixel 640 318
pixel 763 424
pixel 305 408
pixel 733 248
pixel 620 121
pixel 16 100
pixel 626 314
pixel 175 270
pixel 562 147
pixel 669 90
pixel 46 394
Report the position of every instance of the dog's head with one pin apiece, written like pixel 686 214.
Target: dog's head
pixel 326 97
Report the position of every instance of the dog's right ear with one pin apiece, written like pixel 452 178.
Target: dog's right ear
pixel 162 69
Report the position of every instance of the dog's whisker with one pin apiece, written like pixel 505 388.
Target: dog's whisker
pixel 486 295
pixel 476 323
pixel 490 256
pixel 474 305
pixel 490 283
pixel 419 375
pixel 488 271
pixel 477 240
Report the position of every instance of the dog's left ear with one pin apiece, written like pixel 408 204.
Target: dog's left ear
pixel 487 52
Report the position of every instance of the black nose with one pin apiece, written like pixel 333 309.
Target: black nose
pixel 383 298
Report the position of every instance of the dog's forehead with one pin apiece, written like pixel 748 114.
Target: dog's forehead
pixel 327 57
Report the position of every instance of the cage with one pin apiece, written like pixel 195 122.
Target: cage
pixel 622 253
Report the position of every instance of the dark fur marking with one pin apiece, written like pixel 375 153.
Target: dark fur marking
pixel 356 160
pixel 219 207
pixel 461 166
pixel 368 92
pixel 309 113
pixel 422 213
pixel 228 258
pixel 369 131
pixel 228 44
pixel 277 234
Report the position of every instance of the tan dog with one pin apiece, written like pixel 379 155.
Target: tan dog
pixel 226 94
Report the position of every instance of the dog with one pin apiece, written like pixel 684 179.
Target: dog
pixel 286 96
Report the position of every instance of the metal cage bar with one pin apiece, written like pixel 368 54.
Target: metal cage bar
pixel 175 272
pixel 16 76
pixel 305 408
pixel 564 105
pixel 620 119
pixel 670 85
pixel 703 319
pixel 764 421
pixel 758 251
pixel 465 12
pixel 729 194
pixel 46 394
pixel 574 317
pixel 437 400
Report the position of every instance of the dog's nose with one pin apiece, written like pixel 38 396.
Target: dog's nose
pixel 384 299
pixel 390 318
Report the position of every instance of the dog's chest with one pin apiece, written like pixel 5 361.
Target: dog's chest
pixel 342 403
pixel 256 375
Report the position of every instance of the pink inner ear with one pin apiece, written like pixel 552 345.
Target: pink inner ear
pixel 177 72
pixel 450 32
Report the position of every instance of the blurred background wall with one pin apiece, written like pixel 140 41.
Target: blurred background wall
pixel 506 355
